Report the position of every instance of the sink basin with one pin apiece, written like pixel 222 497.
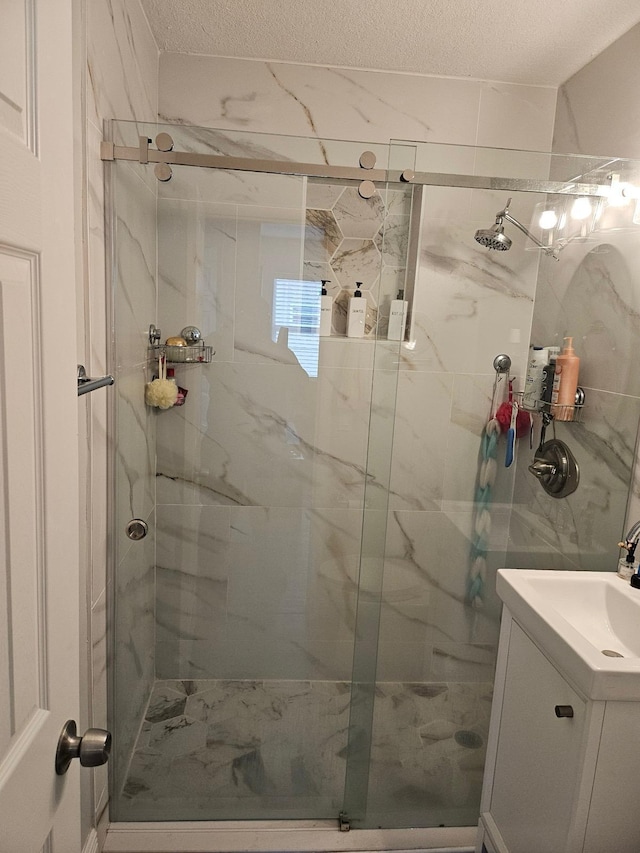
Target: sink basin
pixel 587 622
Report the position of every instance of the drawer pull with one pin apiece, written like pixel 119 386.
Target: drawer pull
pixel 564 711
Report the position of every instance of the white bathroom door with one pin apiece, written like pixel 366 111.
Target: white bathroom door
pixel 39 573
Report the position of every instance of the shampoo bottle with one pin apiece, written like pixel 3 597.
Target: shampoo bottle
pixel 397 318
pixel 565 383
pixel 548 373
pixel 538 360
pixel 326 310
pixel 357 312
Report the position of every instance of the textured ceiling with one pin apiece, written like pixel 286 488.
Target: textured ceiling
pixel 520 41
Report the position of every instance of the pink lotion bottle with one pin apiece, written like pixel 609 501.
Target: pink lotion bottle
pixel 565 383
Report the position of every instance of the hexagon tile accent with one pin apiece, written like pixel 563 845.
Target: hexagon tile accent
pixel 359 217
pixel 344 243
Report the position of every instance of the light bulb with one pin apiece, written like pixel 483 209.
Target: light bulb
pixel 581 208
pixel 548 219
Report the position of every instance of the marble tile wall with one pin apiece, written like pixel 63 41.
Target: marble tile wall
pixel 338 103
pixel 259 435
pixel 120 81
pixel 469 307
pixel 263 454
pixel 592 294
pixel 261 475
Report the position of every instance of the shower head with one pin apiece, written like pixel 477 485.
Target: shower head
pixel 494 238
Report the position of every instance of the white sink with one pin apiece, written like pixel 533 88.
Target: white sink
pixel 579 619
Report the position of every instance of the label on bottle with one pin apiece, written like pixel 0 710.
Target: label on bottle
pixel 557 379
pixel 548 372
pixel 533 384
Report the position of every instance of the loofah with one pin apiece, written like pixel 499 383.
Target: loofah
pixel 162 392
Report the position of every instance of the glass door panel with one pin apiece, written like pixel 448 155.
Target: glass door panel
pixel 260 487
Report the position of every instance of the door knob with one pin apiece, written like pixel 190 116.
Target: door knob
pixel 92 749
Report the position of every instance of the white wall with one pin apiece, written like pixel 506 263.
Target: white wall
pixel 597 108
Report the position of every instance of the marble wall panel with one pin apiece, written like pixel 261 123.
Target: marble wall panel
pixel 121 82
pixel 267 435
pixel 246 590
pixel 469 303
pixel 585 527
pixel 420 440
pixel 470 410
pixel 345 103
pixel 134 633
pixel 134 454
pixel 196 271
pixel 135 266
pixel 95 332
pixel 423 596
pixel 270 247
pixel 529 109
pixel 122 63
pixel 591 295
pixel 595 115
pixel 219 186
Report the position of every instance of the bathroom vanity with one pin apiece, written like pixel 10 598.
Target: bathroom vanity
pixel 563 759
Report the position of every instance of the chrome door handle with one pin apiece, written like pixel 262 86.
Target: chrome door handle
pixel 92 749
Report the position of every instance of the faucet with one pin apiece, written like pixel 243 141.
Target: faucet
pixel 631 541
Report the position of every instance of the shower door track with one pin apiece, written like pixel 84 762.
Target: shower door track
pixel 280 836
pixel 143 154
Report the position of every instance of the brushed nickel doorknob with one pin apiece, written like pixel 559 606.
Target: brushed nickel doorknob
pixel 92 749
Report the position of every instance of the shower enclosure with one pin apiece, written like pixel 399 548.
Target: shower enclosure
pixel 294 636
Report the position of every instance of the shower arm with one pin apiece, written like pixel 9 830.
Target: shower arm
pixel 504 214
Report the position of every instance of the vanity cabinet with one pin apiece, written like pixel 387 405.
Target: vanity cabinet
pixel 562 772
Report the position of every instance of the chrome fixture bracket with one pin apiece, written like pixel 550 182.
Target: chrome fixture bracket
pixel 367 189
pixel 367 160
pixel 502 363
pixel 556 468
pixel 86 384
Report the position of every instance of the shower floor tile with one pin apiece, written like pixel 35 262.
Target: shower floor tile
pixel 234 750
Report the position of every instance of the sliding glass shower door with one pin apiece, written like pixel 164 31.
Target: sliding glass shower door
pixel 235 701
